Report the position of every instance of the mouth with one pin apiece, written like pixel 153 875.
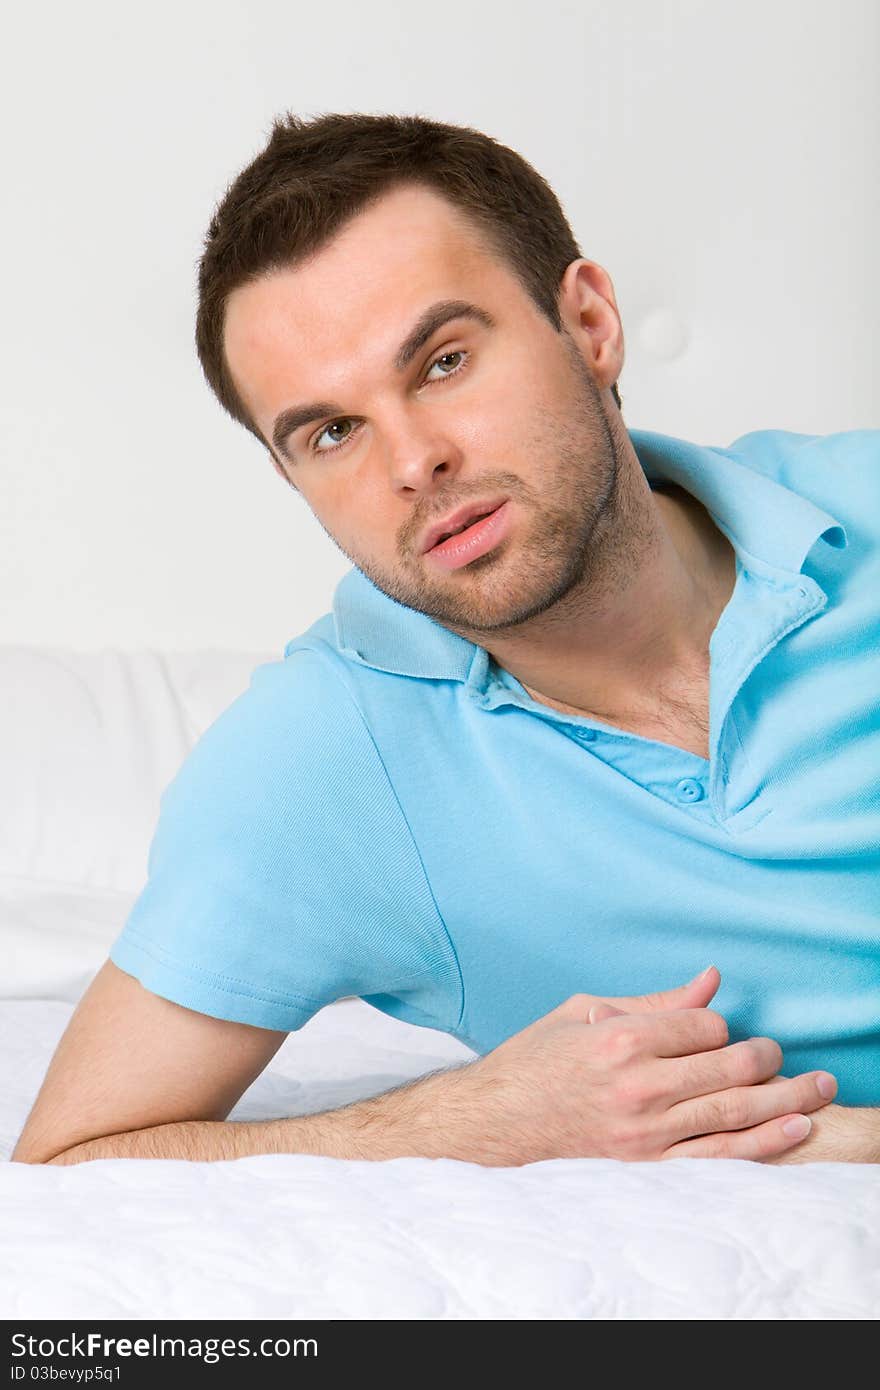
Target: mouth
pixel 459 522
pixel 474 536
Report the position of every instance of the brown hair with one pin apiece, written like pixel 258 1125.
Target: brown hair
pixel 314 176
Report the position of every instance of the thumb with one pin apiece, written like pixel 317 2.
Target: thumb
pixel 599 1012
pixel 694 995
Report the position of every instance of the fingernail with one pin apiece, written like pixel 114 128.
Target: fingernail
pixel 698 979
pixel 798 1127
pixel 826 1085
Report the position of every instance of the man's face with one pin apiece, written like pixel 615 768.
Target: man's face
pixel 478 414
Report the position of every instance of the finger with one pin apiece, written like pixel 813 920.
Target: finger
pixel 743 1107
pixel 739 1064
pixel 761 1142
pixel 696 993
pixel 682 1032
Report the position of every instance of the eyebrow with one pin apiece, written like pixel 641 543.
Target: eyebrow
pixel 433 318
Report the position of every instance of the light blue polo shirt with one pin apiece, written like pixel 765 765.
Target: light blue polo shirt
pixel 386 813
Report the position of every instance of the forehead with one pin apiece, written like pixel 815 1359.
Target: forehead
pixel 312 328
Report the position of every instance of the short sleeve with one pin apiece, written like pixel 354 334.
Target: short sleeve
pixel 282 874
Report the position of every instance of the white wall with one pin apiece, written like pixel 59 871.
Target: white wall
pixel 719 159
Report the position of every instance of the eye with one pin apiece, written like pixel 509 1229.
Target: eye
pixel 445 358
pixel 334 424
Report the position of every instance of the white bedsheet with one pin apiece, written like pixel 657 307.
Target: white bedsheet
pixel 296 1236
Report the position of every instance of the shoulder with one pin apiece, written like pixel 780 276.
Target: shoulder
pixel 307 691
pixel 294 739
pixel 844 466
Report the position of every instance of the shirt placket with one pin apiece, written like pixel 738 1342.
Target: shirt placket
pixel 762 611
pixel 673 774
pixel 769 607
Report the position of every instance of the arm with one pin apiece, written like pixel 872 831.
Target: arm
pixel 131 1060
pixel 418 1119
pixel 136 1076
pixel 849 1134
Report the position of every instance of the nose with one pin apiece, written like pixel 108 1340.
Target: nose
pixel 420 457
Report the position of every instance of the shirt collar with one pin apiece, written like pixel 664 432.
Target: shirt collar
pixel 771 528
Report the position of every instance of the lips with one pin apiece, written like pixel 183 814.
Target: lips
pixel 458 520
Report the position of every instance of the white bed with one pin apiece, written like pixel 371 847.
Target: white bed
pixel 87 743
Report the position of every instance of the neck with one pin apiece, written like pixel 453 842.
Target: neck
pixel 638 638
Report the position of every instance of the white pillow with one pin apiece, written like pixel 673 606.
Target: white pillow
pixel 88 743
pixel 55 937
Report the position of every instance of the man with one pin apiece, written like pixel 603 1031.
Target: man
pixel 591 706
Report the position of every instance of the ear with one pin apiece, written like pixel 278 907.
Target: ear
pixel 588 308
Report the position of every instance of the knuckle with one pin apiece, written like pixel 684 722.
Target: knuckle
pixel 622 1042
pixel 710 1120
pixel 808 1096
pixel 626 1138
pixel 735 1110
pixel 719 1033
pixel 724 1146
pixel 772 1051
pixel 749 1061
pixel 717 1113
pixel 743 1064
pixel 630 1095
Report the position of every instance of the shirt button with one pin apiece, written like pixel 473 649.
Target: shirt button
pixel 688 790
pixel 586 735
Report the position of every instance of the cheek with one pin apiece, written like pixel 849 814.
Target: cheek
pixel 498 423
pixel 351 510
pixel 489 411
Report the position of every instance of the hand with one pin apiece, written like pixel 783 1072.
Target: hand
pixel 838 1135
pixel 652 1079
pixel 781 1147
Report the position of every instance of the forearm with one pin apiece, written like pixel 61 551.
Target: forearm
pixel 429 1118
pixel 859 1138
pixel 840 1134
